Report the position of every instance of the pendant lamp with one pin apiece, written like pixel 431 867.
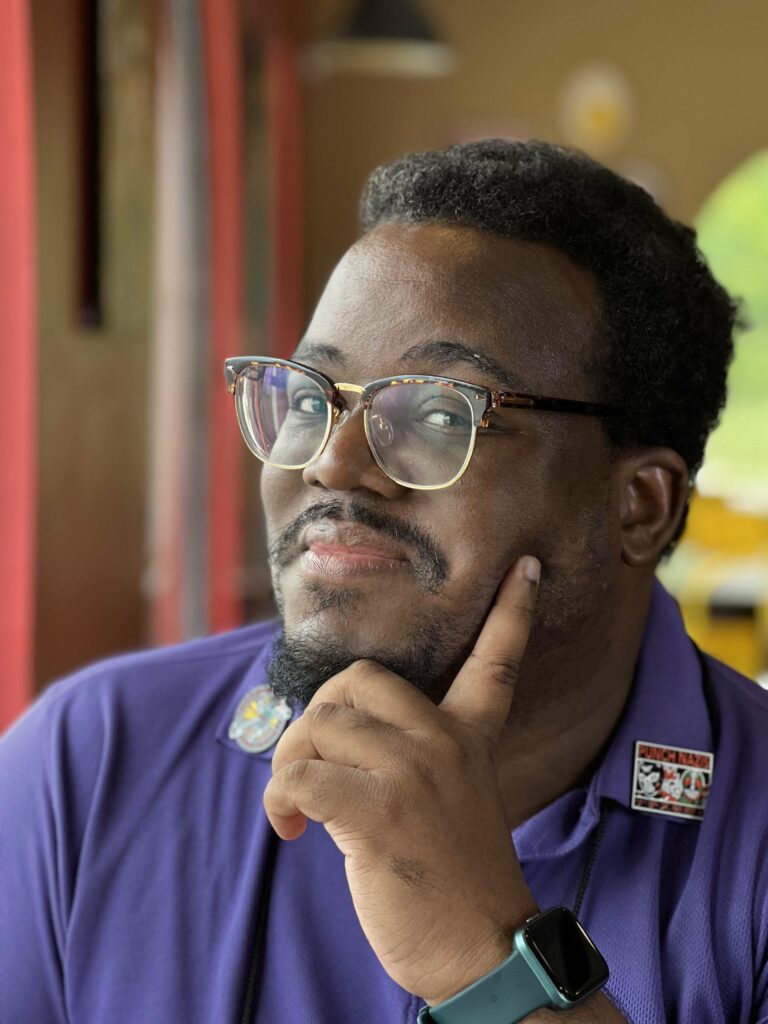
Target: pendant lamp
pixel 391 38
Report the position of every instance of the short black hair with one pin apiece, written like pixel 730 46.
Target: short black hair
pixel 668 323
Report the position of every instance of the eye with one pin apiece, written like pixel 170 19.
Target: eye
pixel 308 403
pixel 444 413
pixel 446 419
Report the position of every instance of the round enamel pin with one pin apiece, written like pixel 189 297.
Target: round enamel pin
pixel 260 720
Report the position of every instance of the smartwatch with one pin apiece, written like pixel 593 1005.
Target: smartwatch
pixel 554 964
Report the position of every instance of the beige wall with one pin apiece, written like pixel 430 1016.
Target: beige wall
pixel 92 381
pixel 698 68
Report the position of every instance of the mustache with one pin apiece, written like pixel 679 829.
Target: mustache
pixel 430 565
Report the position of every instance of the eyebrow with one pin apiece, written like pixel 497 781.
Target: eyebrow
pixel 445 353
pixel 309 350
pixel 440 353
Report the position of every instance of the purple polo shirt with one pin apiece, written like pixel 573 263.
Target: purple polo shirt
pixel 133 843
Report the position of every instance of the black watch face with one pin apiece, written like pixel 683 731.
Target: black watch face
pixel 566 953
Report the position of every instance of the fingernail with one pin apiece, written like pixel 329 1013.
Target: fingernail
pixel 532 569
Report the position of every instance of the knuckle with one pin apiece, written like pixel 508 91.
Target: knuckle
pixel 323 711
pixel 523 611
pixel 297 772
pixel 303 778
pixel 361 720
pixel 503 670
pixel 329 690
pixel 366 668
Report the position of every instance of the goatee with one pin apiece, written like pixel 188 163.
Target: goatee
pixel 300 665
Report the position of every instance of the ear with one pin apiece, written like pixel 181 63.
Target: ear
pixel 653 489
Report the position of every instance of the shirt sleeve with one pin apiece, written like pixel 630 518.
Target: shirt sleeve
pixel 760 1008
pixel 44 792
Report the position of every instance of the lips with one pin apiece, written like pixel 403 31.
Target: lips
pixel 351 537
pixel 341 550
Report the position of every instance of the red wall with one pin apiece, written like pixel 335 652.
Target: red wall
pixel 18 366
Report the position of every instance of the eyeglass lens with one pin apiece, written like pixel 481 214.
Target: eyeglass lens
pixel 420 433
pixel 284 414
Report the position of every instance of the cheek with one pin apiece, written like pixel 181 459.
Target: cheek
pixel 484 531
pixel 558 507
pixel 280 490
pixel 580 517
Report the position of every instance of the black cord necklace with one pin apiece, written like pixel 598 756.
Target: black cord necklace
pixel 589 863
pixel 262 912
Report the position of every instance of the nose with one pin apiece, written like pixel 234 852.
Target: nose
pixel 347 463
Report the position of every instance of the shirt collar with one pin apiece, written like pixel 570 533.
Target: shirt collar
pixel 666 707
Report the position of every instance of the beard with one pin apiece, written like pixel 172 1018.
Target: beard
pixel 302 663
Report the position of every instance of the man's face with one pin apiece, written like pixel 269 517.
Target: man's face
pixel 539 483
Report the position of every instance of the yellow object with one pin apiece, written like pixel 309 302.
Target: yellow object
pixel 719 574
pixel 715 525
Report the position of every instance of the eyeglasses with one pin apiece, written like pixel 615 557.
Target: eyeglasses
pixel 421 429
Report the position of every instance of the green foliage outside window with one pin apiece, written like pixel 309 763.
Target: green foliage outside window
pixel 733 234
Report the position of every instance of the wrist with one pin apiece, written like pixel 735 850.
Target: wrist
pixel 553 964
pixel 490 953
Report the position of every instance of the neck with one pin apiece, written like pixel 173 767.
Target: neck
pixel 567 705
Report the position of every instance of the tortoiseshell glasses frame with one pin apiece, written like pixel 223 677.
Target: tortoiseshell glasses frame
pixel 481 401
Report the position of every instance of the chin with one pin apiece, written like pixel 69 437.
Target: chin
pixel 328 629
pixel 370 617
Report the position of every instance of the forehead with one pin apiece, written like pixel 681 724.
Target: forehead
pixel 523 304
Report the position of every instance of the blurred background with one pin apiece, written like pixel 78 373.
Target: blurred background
pixel 178 179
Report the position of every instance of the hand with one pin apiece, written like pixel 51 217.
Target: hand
pixel 409 793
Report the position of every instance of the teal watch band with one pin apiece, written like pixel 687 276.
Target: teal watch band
pixel 554 963
pixel 508 994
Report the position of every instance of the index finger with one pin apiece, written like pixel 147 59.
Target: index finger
pixel 482 692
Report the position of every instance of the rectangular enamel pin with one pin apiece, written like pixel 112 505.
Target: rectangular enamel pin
pixel 671 780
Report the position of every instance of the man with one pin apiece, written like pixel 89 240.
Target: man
pixel 475 460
